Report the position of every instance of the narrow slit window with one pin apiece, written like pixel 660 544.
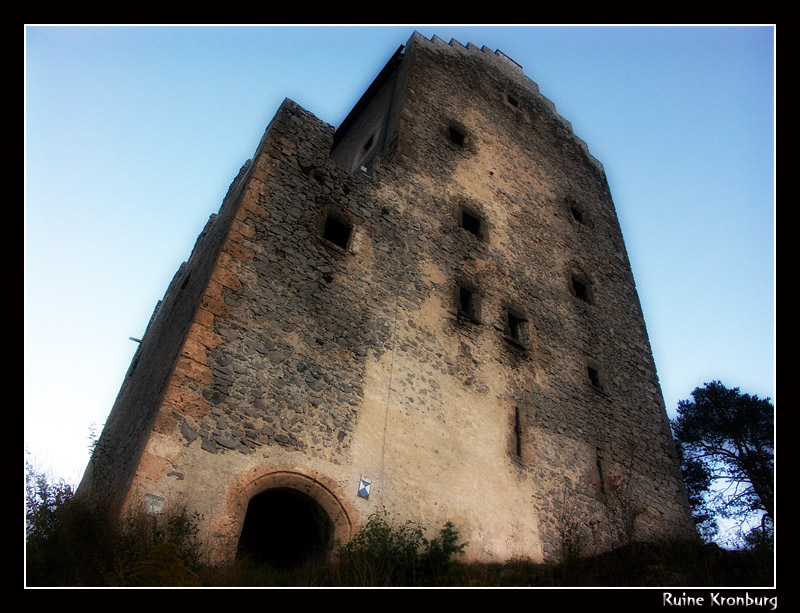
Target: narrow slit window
pixel 599 461
pixel 594 377
pixel 468 302
pixel 517 433
pixel 465 297
pixel 337 231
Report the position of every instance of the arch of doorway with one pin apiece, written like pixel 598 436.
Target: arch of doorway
pixel 314 487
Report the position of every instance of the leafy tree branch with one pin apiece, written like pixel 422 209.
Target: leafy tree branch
pixel 726 445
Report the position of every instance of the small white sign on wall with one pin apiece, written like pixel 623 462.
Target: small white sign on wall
pixel 153 504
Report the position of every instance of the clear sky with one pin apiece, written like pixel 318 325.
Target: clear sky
pixel 133 135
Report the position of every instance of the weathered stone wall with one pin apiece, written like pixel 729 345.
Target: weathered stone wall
pixel 325 364
pixel 119 448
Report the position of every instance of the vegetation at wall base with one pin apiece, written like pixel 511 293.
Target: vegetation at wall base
pixel 76 541
pixel 669 564
pixel 73 542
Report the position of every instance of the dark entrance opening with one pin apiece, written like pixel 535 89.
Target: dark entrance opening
pixel 284 528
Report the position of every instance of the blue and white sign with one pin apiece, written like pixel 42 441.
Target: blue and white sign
pixel 363 487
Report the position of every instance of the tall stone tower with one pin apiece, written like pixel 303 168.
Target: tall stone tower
pixel 428 312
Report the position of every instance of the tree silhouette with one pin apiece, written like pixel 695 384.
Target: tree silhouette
pixel 725 441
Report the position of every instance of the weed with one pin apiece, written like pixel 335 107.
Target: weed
pixel 78 541
pixel 384 554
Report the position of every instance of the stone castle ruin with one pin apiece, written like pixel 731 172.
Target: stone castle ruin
pixel 427 312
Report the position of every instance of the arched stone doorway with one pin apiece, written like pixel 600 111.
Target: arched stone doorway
pixel 288 518
pixel 284 528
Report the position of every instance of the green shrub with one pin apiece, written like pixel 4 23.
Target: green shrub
pixel 163 567
pixel 383 554
pixel 77 541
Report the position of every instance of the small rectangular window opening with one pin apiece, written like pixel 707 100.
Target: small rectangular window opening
pixel 471 222
pixel 576 214
pixel 511 100
pixel 337 232
pixel 468 304
pixel 580 289
pixel 185 282
pixel 517 433
pixel 456 136
pixel 368 144
pixel 514 325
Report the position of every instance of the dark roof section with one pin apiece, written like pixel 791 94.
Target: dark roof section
pixel 372 90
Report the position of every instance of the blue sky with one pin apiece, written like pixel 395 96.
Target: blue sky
pixel 133 135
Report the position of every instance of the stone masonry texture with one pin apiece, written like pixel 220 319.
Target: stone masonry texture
pixel 469 340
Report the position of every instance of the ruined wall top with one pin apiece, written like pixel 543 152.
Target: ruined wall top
pixel 503 63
